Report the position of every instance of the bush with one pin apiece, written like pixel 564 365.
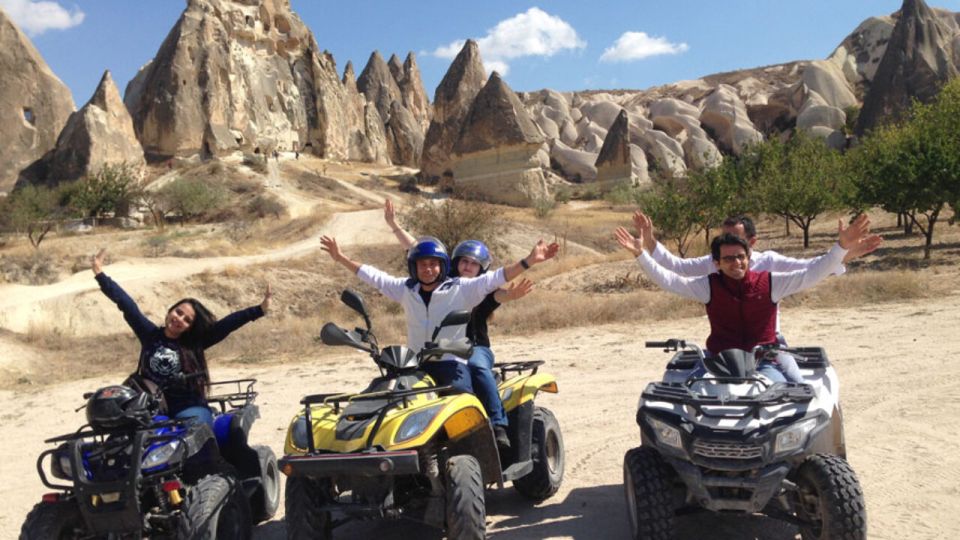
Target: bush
pixel 265 205
pixel 193 198
pixel 453 221
pixel 543 205
pixel 37 268
pixel 157 244
pixel 112 189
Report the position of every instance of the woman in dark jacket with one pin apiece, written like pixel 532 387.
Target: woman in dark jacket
pixel 172 355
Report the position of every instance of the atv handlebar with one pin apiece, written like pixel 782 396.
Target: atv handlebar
pixel 668 345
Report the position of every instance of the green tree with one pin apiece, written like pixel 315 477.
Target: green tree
pixel 111 189
pixel 800 180
pixel 454 220
pixel 913 168
pixel 672 209
pixel 32 210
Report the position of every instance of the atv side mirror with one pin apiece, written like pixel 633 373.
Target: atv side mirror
pixel 354 301
pixel 332 334
pixel 454 318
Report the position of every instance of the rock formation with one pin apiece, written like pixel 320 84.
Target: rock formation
pixel 619 161
pixel 451 103
pixel 726 116
pixel 920 56
pixel 404 138
pixel 34 104
pixel 377 82
pixel 496 156
pixel 100 133
pixel 414 96
pixel 242 76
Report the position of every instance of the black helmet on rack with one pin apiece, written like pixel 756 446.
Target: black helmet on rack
pixel 114 407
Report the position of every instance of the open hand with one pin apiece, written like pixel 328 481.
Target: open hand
pixel 97 261
pixel 850 236
pixel 644 227
pixel 390 214
pixel 542 252
pixel 517 290
pixel 265 305
pixel 329 244
pixel 628 241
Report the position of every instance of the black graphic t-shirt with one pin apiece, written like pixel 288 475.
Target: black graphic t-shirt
pixel 161 358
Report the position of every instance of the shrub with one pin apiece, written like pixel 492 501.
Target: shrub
pixel 157 244
pixel 265 205
pixel 193 198
pixel 453 221
pixel 543 205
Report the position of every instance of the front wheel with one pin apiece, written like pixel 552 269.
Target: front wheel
pixel 548 458
pixel 266 499
pixel 829 500
pixel 215 509
pixel 53 521
pixel 466 508
pixel 304 518
pixel 647 487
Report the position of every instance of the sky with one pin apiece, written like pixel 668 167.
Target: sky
pixel 565 45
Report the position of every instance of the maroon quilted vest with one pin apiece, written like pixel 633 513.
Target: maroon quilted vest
pixel 741 312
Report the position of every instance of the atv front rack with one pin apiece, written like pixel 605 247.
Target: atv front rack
pixel 518 367
pixel 774 395
pixel 391 398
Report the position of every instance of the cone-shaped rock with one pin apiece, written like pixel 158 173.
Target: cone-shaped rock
pixel 241 76
pixel 396 68
pixel 414 96
pixel 370 142
pixel 404 138
pixel 451 103
pixel 378 84
pixel 100 133
pixel 614 164
pixel 349 77
pixel 496 156
pixel 918 60
pixel 34 104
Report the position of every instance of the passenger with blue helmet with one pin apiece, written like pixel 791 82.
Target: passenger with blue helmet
pixel 429 293
pixel 471 258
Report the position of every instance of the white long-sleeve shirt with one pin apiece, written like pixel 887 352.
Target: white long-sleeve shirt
pixel 782 284
pixel 760 261
pixel 453 294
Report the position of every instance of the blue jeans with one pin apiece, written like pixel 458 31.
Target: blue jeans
pixel 485 385
pixel 198 412
pixel 449 372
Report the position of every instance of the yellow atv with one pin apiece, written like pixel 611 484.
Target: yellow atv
pixel 405 448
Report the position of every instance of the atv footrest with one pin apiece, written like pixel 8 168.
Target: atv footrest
pixel 372 464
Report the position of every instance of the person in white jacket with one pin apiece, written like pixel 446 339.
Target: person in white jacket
pixel 428 294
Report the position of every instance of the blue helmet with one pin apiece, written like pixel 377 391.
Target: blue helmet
pixel 428 246
pixel 474 250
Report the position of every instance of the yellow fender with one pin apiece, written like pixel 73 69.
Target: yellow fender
pixel 519 390
pixel 459 415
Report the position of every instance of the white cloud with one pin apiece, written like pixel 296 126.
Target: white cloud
pixel 638 45
pixel 532 33
pixel 37 16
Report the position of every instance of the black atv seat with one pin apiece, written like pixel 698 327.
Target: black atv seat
pixel 358 414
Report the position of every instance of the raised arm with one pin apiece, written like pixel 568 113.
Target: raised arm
pixel 695 288
pixel 329 244
pixel 140 324
pixel 541 252
pixel 785 284
pixel 697 266
pixel 389 215
pixel 513 291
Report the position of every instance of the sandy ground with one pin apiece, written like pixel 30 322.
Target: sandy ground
pixel 898 390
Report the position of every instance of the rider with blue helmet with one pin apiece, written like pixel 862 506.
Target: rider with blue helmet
pixel 471 258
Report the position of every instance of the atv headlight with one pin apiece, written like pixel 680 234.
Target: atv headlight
pixel 666 433
pixel 299 433
pixel 160 455
pixel 414 424
pixel 794 437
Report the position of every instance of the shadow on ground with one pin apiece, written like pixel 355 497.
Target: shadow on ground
pixel 583 514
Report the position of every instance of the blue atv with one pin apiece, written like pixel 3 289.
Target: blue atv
pixel 131 472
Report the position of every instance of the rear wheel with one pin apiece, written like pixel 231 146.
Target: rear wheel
pixel 829 500
pixel 649 507
pixel 466 508
pixel 53 521
pixel 303 498
pixel 267 497
pixel 548 458
pixel 215 509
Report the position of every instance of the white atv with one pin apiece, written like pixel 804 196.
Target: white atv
pixel 716 435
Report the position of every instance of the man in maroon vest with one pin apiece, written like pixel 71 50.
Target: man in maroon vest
pixel 742 304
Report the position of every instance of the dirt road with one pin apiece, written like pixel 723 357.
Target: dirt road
pixel 898 390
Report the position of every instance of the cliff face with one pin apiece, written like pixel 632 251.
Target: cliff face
pixel 243 76
pixel 34 104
